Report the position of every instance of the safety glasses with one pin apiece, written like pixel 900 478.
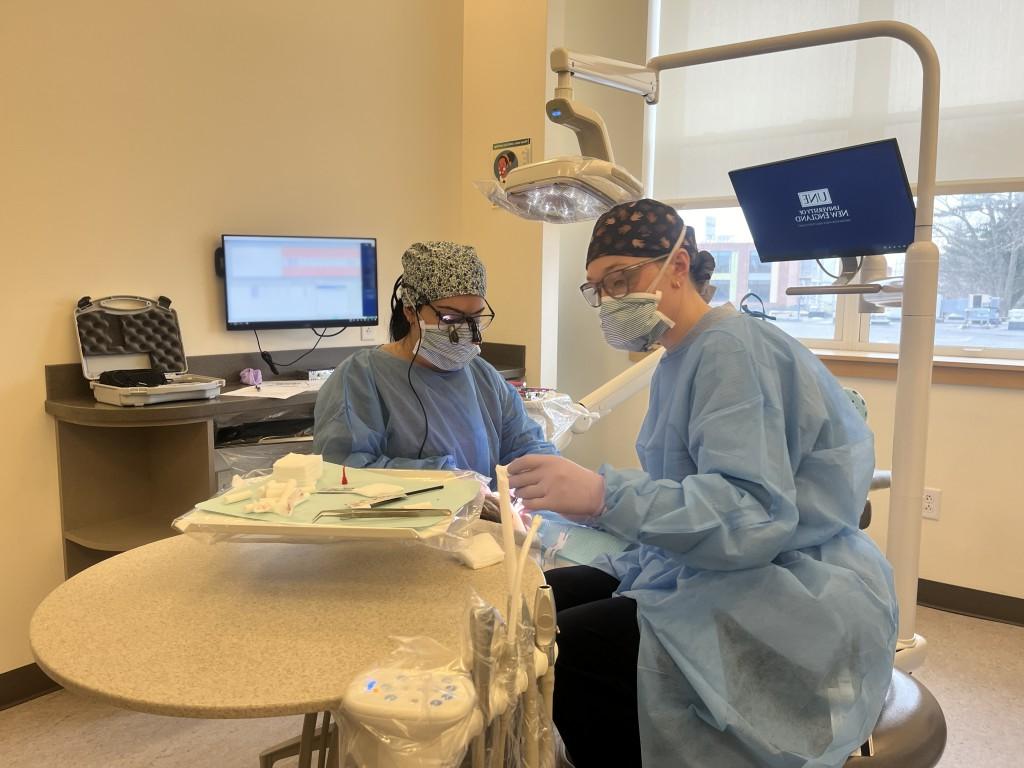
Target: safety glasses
pixel 615 284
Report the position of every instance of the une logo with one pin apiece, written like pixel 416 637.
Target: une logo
pixel 814 197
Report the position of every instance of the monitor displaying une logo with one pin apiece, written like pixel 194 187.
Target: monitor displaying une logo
pixel 814 197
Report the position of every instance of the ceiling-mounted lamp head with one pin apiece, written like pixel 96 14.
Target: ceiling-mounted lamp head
pixel 567 189
pixel 563 190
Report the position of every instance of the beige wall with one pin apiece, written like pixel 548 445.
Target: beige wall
pixel 974 458
pixel 616 29
pixel 503 79
pixel 134 133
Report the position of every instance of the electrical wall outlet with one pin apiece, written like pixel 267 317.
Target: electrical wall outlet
pixel 368 333
pixel 930 503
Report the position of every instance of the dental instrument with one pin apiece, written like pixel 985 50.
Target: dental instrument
pixel 401 496
pixel 379 513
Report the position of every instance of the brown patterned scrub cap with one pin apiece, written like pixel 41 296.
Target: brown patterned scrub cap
pixel 439 269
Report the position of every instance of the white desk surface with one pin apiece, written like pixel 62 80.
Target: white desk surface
pixel 180 627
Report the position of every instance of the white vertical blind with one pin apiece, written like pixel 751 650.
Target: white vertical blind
pixel 717 117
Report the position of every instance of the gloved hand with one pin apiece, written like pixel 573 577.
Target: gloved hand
pixel 555 483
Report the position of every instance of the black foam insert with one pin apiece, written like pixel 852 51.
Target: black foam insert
pixel 151 331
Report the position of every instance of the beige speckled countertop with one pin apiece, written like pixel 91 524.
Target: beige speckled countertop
pixel 185 628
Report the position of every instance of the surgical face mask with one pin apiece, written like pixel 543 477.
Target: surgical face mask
pixel 436 347
pixel 633 323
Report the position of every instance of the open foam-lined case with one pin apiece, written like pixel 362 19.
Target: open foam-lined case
pixel 131 332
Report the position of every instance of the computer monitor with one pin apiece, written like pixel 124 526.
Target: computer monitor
pixel 299 282
pixel 853 201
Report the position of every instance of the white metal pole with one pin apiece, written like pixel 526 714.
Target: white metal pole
pixel 917 337
pixel 651 110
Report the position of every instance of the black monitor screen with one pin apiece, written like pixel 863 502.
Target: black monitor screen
pixel 299 282
pixel 848 202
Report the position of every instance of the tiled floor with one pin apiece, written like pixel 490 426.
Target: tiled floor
pixel 975 669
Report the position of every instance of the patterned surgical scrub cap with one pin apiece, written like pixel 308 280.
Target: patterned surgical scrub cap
pixel 643 228
pixel 438 269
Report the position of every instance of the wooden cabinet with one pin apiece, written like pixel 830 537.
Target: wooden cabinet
pixel 126 473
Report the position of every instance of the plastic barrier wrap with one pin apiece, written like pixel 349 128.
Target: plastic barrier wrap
pixel 555 413
pixel 428 706
pixel 450 535
pixel 518 730
pixel 417 708
pixel 244 458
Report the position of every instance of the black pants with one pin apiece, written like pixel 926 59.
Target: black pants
pixel 595 675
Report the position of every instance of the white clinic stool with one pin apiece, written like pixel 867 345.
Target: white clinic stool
pixel 911 731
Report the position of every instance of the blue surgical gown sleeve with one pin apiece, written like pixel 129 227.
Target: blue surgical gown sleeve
pixel 351 427
pixel 737 510
pixel 520 435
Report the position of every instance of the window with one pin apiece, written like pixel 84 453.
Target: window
pixel 980 304
pixel 739 271
pixel 979 307
pixel 728 115
pixel 756 267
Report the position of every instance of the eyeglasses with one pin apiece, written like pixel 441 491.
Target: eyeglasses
pixel 454 322
pixel 615 284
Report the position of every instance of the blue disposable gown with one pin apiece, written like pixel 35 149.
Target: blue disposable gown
pixel 767 619
pixel 366 415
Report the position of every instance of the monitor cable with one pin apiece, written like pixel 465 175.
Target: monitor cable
pixel 275 365
pixel 761 314
pixel 426 421
pixel 860 262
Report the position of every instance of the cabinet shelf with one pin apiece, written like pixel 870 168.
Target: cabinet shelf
pixel 121 534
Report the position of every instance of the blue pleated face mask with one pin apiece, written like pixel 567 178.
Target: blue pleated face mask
pixel 436 347
pixel 633 323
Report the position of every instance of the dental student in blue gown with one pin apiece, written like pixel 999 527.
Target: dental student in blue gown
pixel 427 400
pixel 750 624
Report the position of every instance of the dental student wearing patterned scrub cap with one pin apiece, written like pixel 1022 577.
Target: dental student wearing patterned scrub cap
pixel 750 624
pixel 427 400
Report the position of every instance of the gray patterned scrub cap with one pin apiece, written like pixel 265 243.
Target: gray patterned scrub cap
pixel 438 269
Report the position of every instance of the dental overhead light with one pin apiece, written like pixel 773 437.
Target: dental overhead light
pixel 563 190
pixel 569 189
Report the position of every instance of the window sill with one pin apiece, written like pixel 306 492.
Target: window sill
pixel 956 371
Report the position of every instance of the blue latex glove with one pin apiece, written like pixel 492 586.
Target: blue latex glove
pixel 555 483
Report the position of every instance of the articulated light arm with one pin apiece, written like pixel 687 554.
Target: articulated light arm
pixel 621 75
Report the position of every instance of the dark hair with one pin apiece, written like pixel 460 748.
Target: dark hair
pixel 702 266
pixel 399 326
